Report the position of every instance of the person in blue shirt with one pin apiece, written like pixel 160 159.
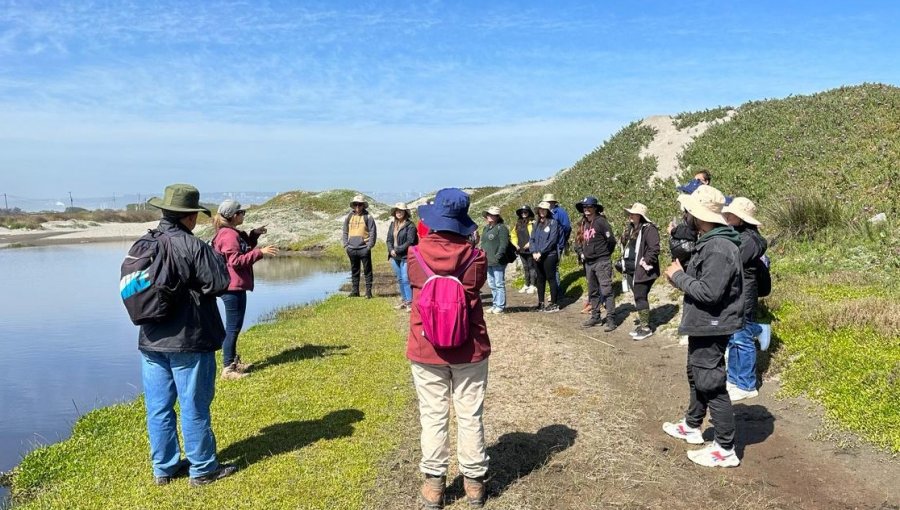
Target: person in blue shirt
pixel 562 219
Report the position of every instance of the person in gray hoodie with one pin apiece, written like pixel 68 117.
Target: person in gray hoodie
pixel 358 238
pixel 713 310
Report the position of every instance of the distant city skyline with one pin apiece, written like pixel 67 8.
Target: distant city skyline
pixel 102 98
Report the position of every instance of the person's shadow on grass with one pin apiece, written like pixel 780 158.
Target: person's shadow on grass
pixel 516 455
pixel 307 351
pixel 289 436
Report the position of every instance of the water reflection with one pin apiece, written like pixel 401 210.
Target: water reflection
pixel 282 269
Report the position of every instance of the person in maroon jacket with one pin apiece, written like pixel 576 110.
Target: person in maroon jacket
pixel 240 252
pixel 457 373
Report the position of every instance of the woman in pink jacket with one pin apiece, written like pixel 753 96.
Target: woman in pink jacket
pixel 240 252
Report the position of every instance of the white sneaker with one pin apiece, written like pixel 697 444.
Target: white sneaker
pixel 524 289
pixel 531 290
pixel 683 340
pixel 737 394
pixel 680 430
pixel 714 455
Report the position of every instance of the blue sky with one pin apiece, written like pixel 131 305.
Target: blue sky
pixel 121 97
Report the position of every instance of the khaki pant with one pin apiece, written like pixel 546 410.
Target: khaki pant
pixel 434 386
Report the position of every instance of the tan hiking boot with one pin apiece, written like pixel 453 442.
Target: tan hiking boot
pixel 230 373
pixel 476 491
pixel 431 496
pixel 241 366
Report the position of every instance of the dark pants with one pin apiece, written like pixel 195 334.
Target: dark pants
pixel 641 293
pixel 357 258
pixel 528 267
pixel 235 307
pixel 706 378
pixel 546 274
pixel 600 290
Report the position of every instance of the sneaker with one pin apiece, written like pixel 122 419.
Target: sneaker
pixel 431 495
pixel 407 306
pixel 368 294
pixel 240 366
pixel 634 331
pixel 591 322
pixel 587 308
pixel 531 290
pixel 181 470
pixel 610 324
pixel 475 490
pixel 680 430
pixel 400 306
pixel 552 307
pixel 683 340
pixel 539 307
pixel 224 470
pixel 642 333
pixel 738 394
pixel 714 455
pixel 230 373
pixel 524 289
pixel 498 311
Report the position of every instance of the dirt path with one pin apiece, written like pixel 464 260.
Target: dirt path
pixel 573 421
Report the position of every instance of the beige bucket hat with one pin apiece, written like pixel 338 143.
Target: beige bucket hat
pixel 705 204
pixel 545 204
pixel 549 197
pixel 743 208
pixel 639 208
pixel 399 206
pixel 359 199
pixel 493 211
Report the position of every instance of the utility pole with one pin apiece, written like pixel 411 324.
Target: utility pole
pixel 5 205
pixel 71 202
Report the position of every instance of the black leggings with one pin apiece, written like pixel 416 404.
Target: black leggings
pixel 641 293
pixel 528 267
pixel 546 273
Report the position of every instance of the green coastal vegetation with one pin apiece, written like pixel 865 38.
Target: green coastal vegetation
pixel 310 427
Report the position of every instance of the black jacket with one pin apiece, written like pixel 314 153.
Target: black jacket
pixel 405 238
pixel 713 286
pixel 753 246
pixel 598 239
pixel 648 250
pixel 197 325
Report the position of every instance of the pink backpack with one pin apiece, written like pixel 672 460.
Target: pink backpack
pixel 442 305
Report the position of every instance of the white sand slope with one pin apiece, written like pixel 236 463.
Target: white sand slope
pixel 669 143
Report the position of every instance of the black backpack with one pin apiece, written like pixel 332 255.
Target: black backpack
pixel 149 283
pixel 763 276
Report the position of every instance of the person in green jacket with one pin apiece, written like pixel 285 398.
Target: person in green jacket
pixel 494 242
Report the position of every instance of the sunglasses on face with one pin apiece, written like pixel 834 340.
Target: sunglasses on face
pixel 240 211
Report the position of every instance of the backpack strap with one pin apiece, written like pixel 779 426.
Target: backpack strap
pixel 415 252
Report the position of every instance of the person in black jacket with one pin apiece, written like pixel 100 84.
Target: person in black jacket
pixel 712 312
pixel 597 245
pixel 358 238
pixel 641 264
pixel 741 214
pixel 401 235
pixel 178 354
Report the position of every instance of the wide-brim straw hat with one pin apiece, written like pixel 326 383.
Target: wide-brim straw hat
pixel 549 197
pixel 639 208
pixel 705 204
pixel 399 206
pixel 182 198
pixel 449 212
pixel 359 199
pixel 744 209
pixel 492 211
pixel 545 205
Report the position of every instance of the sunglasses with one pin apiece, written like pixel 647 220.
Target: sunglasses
pixel 240 211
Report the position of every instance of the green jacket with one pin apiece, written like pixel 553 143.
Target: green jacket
pixel 494 240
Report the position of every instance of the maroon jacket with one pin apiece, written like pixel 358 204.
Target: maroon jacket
pixel 240 252
pixel 445 252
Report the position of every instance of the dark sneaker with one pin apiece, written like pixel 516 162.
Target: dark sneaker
pixel 539 307
pixel 642 333
pixel 476 492
pixel 181 470
pixel 354 293
pixel 552 307
pixel 369 294
pixel 224 470
pixel 593 321
pixel 431 495
pixel 610 325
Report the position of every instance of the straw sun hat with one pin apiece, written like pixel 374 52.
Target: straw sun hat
pixel 493 211
pixel 544 205
pixel 641 209
pixel 359 199
pixel 744 209
pixel 399 206
pixel 705 204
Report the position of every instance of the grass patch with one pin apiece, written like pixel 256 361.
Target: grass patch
pixel 307 428
pixel 33 221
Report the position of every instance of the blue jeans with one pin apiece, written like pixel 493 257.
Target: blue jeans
pixel 496 277
pixel 742 357
pixel 191 378
pixel 235 307
pixel 400 270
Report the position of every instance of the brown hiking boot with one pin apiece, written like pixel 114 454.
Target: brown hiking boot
pixel 240 366
pixel 231 373
pixel 431 496
pixel 476 491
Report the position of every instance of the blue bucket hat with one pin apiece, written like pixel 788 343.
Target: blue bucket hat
pixel 589 201
pixel 689 188
pixel 449 212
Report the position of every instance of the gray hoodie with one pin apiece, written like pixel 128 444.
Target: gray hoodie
pixel 713 284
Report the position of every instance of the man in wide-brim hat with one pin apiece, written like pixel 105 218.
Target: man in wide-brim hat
pixel 712 312
pixel 741 214
pixel 178 352
pixel 358 237
pixel 562 218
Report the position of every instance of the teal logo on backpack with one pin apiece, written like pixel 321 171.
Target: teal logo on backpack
pixel 133 283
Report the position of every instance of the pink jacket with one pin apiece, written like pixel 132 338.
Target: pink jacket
pixel 240 252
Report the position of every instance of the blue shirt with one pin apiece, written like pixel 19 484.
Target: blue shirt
pixel 565 226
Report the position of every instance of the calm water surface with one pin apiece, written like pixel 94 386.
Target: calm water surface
pixel 68 347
